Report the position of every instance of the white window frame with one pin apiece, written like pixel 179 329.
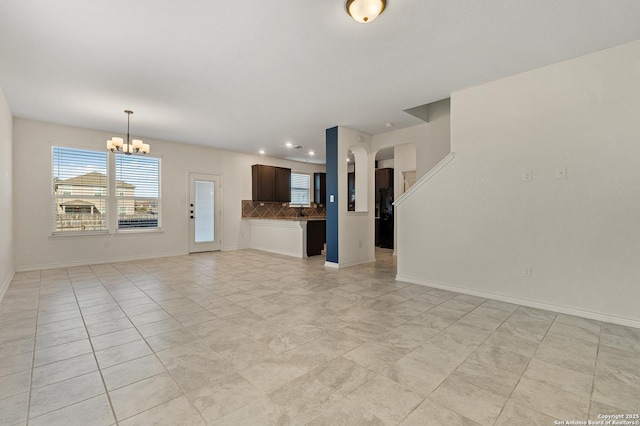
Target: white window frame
pixel 110 198
pixel 67 192
pixel 117 198
pixel 308 204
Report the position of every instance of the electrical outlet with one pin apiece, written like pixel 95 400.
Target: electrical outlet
pixel 526 271
pixel 527 175
pixel 561 173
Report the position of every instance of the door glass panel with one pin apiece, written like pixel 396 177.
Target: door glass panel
pixel 204 211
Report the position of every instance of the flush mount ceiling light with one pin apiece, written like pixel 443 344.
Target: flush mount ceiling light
pixel 365 11
pixel 135 146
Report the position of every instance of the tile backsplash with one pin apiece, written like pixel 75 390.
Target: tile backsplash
pixel 267 209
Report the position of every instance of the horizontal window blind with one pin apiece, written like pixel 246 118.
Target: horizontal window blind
pixel 137 191
pixel 79 190
pixel 300 188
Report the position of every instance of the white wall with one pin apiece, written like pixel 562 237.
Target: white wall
pixel 405 160
pixel 383 164
pixel 35 248
pixel 432 139
pixel 416 148
pixel 476 225
pixel 355 229
pixel 6 195
pixel 288 237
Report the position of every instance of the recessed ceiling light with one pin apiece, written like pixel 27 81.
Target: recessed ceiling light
pixel 312 153
pixel 348 160
pixel 261 151
pixel 289 144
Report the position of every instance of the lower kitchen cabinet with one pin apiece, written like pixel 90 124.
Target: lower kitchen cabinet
pixel 316 235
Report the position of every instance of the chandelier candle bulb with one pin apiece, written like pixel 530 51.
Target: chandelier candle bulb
pixel 134 146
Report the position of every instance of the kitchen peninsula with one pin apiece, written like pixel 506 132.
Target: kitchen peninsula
pixel 278 228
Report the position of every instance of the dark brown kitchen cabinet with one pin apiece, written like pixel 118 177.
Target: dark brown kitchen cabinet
pixel 270 183
pixel 283 184
pixel 320 188
pixel 316 236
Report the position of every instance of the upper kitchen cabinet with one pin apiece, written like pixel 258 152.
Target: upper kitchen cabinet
pixel 320 188
pixel 271 183
pixel 283 184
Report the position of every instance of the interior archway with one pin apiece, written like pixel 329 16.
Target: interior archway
pixel 358 183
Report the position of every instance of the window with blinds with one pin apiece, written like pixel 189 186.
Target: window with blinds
pixel 300 188
pixel 80 187
pixel 85 199
pixel 137 191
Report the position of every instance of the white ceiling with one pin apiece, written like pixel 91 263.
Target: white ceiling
pixel 250 75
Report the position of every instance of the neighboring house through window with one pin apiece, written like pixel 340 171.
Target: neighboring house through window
pixel 75 203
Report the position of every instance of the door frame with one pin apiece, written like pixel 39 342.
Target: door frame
pixel 218 207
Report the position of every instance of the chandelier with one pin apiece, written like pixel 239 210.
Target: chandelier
pixel 135 146
pixel 365 11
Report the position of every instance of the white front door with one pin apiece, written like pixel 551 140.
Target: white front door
pixel 204 212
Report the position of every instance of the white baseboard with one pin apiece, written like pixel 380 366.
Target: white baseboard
pixel 331 264
pixel 347 264
pixel 233 248
pixel 96 261
pixel 5 284
pixel 276 251
pixel 525 302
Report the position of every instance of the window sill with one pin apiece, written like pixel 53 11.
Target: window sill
pixel 92 234
pixel 138 231
pixel 78 234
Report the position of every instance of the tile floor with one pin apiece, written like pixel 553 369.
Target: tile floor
pixel 251 338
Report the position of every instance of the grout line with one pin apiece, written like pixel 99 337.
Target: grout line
pixel 197 267
pixel 113 412
pixel 466 358
pixel 153 352
pixel 525 369
pixel 33 357
pixel 595 369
